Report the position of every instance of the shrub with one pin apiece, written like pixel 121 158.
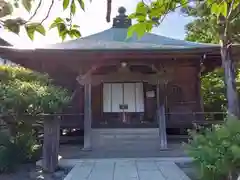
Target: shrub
pixel 8 154
pixel 24 96
pixel 216 150
pixel 17 150
pixel 28 147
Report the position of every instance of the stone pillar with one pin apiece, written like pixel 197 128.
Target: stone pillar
pixel 87 117
pixel 161 118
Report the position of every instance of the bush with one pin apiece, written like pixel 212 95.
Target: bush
pixel 216 151
pixel 28 147
pixel 24 96
pixel 14 151
pixel 8 154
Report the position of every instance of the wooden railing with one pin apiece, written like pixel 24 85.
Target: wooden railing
pixel 195 118
pixel 199 118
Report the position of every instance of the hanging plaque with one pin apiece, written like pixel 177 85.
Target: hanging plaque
pixel 150 94
pixel 123 106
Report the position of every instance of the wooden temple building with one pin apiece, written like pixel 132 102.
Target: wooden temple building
pixel 123 86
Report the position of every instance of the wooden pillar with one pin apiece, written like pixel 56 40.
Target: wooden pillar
pixel 161 117
pixel 158 95
pixel 51 144
pixel 87 117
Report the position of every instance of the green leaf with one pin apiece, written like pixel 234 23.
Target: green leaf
pixel 74 33
pixel 58 20
pixel 131 31
pixel 12 26
pixel 184 3
pixel 139 29
pixel 40 28
pixel 55 23
pixel 75 26
pixel 30 31
pixel 236 4
pixel 65 4
pixel 215 9
pixel 61 28
pixel 63 34
pixel 73 7
pixel 33 27
pixel 141 9
pixel 82 5
pixel 223 8
pixel 27 4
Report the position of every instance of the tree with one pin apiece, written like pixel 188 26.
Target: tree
pixel 225 12
pixel 205 27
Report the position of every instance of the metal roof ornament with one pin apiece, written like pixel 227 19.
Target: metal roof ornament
pixel 122 20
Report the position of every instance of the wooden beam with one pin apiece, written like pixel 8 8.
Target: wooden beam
pixel 51 144
pixel 123 76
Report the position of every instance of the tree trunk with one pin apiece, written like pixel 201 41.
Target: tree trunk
pixel 51 144
pixel 230 81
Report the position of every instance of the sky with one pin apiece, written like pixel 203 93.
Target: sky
pixel 93 20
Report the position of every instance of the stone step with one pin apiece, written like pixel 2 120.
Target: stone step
pixel 146 138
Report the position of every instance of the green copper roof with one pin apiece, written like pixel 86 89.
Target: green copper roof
pixel 115 38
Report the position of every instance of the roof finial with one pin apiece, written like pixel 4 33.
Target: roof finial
pixel 122 20
pixel 122 11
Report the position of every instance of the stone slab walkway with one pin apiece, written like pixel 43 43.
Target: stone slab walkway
pixel 137 169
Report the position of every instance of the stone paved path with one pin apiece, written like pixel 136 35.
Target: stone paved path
pixel 126 170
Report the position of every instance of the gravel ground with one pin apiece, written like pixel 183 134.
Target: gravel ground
pixel 30 172
pixel 22 173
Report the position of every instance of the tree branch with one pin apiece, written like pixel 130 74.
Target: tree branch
pixel 109 9
pixel 164 16
pixel 230 10
pixel 236 15
pixel 48 13
pixel 35 12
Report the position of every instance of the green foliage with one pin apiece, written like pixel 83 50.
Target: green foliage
pixel 152 14
pixel 216 151
pixel 32 7
pixel 33 27
pixel 17 150
pixel 24 92
pixel 213 91
pixel 202 30
pixel 8 153
pixel 27 4
pixel 205 27
pixel 64 30
pixel 24 95
pixel 27 146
